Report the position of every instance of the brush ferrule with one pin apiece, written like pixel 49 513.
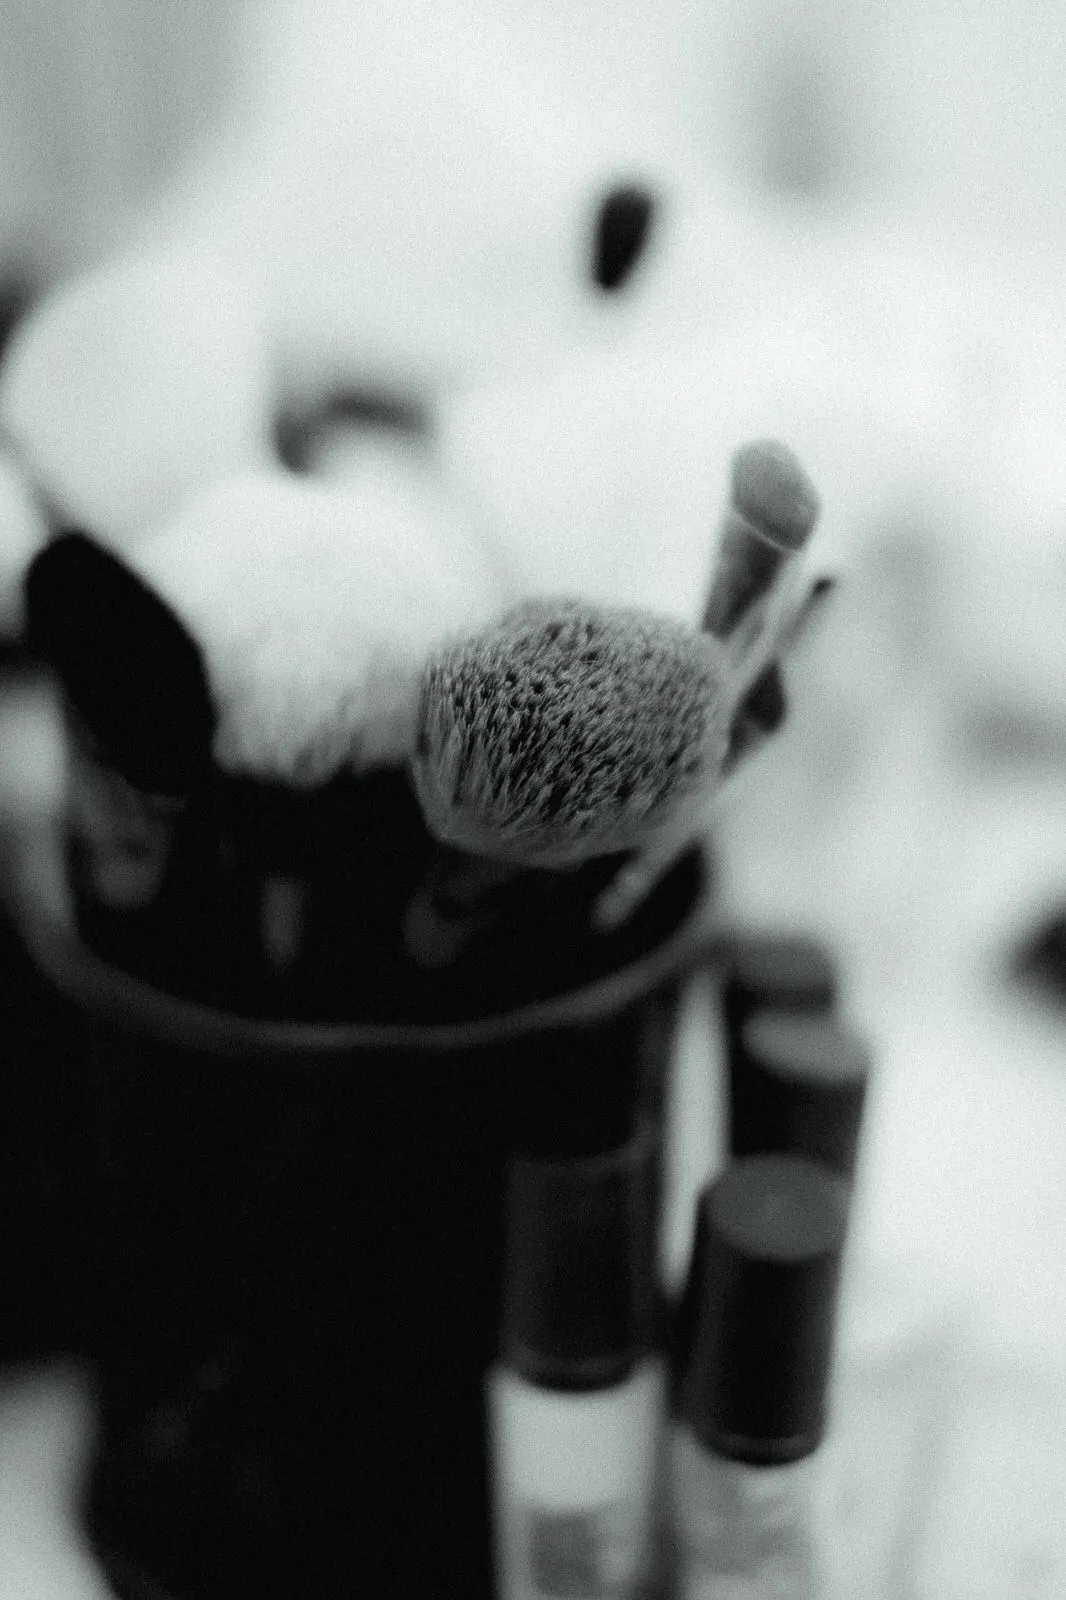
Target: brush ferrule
pixel 749 563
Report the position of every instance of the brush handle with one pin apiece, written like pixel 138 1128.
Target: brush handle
pixel 763 707
pixel 748 567
pixel 771 515
pixel 127 663
pixel 458 898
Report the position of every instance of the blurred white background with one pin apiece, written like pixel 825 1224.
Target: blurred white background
pixel 97 103
pixel 945 111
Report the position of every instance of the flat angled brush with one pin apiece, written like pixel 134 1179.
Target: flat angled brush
pixel 772 511
pixel 750 609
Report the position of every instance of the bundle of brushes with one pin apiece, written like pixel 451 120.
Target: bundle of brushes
pixel 565 734
pixel 324 763
pixel 240 689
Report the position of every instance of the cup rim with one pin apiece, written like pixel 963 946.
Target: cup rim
pixel 107 991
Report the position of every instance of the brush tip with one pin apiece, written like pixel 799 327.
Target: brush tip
pixel 566 731
pixel 772 491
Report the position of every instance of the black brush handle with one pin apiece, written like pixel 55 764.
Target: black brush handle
pixel 128 665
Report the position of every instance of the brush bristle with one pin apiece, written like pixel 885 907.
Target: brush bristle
pixel 316 604
pixel 774 494
pixel 565 731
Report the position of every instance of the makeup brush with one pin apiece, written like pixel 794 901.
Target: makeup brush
pixel 127 663
pixel 566 731
pixel 315 605
pixel 274 626
pixel 248 661
pixel 764 707
pixel 772 511
pixel 139 715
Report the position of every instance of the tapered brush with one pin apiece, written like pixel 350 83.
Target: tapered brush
pixel 566 731
pixel 772 512
pixel 751 609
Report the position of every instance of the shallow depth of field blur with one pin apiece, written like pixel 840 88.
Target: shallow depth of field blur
pixel 914 809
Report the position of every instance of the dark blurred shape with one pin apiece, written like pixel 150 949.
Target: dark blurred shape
pixel 298 433
pixel 763 1290
pixel 577 1278
pixel 806 147
pixel 789 976
pixel 130 1583
pixel 280 1249
pixel 779 971
pixel 760 714
pixel 623 224
pixel 127 663
pixel 17 294
pixel 798 1086
pixel 998 733
pixel 795 975
pixel 1039 960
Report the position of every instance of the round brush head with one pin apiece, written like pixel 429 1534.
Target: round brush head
pixel 565 731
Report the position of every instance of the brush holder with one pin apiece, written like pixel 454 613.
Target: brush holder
pixel 277 1244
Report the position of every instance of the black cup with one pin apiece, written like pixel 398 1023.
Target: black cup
pixel 278 1246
